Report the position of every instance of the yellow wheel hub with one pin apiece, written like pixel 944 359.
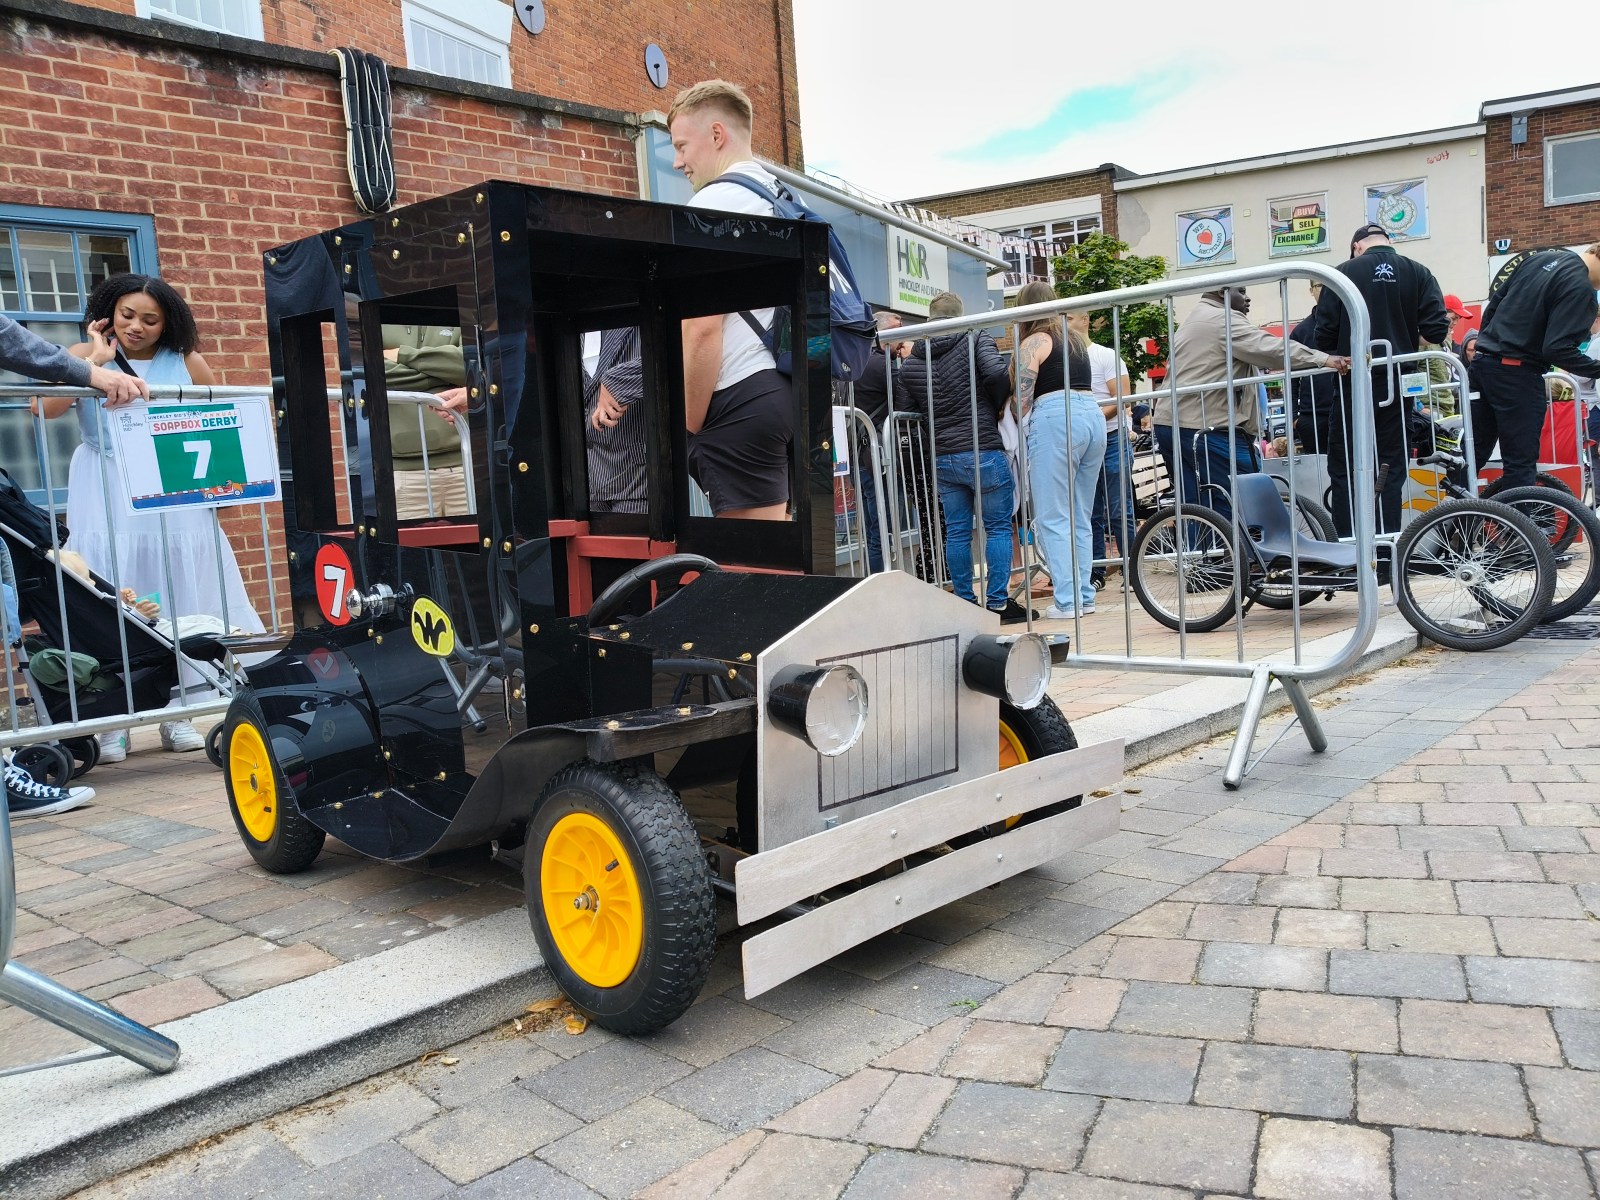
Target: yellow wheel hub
pixel 591 900
pixel 255 790
pixel 1012 753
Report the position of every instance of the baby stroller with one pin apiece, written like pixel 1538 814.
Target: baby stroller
pixel 92 655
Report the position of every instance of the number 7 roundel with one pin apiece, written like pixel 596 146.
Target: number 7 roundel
pixel 335 578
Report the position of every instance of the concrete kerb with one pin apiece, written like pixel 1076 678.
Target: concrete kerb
pixel 256 1057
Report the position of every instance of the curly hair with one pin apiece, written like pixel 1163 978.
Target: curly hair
pixel 178 331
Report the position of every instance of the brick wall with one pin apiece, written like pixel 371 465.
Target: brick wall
pixel 231 158
pixel 1033 191
pixel 1514 177
pixel 592 51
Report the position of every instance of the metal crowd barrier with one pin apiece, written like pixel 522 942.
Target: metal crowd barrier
pixel 1291 670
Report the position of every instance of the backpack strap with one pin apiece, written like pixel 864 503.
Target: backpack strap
pixel 756 327
pixel 749 184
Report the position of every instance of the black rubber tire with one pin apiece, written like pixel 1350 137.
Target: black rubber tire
pixel 1457 519
pixel 1543 479
pixel 214 745
pixel 1220 534
pixel 85 753
pixel 295 841
pixel 1317 523
pixel 1042 730
pixel 45 762
pixel 1577 571
pixel 679 906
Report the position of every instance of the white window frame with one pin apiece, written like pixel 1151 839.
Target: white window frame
pixel 1551 200
pixel 250 10
pixel 482 24
pixel 1055 229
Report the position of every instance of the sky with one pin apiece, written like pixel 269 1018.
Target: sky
pixel 910 100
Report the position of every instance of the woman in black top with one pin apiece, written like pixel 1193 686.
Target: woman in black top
pixel 1066 448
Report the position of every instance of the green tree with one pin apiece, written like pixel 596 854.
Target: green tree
pixel 1100 263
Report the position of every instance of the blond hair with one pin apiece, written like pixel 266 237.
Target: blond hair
pixel 1040 292
pixel 729 99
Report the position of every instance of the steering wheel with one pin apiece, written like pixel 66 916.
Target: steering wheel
pixel 672 566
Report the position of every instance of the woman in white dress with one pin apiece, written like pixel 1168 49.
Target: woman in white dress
pixel 142 325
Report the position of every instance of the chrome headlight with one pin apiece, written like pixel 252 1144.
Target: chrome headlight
pixel 1013 667
pixel 825 706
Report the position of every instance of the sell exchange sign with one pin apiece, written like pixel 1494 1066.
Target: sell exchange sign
pixel 209 455
pixel 918 271
pixel 1299 225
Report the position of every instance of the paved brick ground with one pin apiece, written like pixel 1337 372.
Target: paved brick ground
pixel 1371 974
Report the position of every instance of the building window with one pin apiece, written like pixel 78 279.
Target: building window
pixel 242 18
pixel 1572 169
pixel 50 260
pixel 1030 255
pixel 464 39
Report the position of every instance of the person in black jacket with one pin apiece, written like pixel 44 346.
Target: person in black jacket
pixel 1541 308
pixel 1315 397
pixel 973 470
pixel 1407 308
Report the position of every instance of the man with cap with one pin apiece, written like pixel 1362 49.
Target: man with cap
pixel 1541 310
pixel 1406 307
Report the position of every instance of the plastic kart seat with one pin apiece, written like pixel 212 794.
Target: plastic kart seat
pixel 1261 509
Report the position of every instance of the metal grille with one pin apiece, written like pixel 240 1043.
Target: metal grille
pixel 912 726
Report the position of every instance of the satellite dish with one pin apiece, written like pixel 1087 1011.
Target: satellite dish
pixel 655 65
pixel 531 14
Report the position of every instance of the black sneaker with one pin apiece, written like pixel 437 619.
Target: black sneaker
pixel 1014 614
pixel 27 797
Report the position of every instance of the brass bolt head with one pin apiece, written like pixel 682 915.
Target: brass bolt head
pixel 505 235
pixel 523 467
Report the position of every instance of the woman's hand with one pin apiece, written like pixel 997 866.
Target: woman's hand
pixel 455 400
pixel 102 342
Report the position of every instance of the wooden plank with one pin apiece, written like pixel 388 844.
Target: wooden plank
pixel 776 878
pixel 797 945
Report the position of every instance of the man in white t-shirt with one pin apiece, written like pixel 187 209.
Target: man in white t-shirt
pixel 740 409
pixel 1108 382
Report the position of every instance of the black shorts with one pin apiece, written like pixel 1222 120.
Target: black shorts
pixel 741 454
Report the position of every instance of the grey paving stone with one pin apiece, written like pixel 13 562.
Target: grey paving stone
pixel 1398 895
pixel 526 1178
pixel 1288 804
pixel 1129 1065
pixel 1535 981
pixel 1298 891
pixel 1484 1168
pixel 1055 921
pixel 1439 1093
pixel 1327 1021
pixel 1296 968
pixel 1019 1125
pixel 926 995
pixel 1316 1160
pixel 237 1166
pixel 785 1167
pixel 714 1029
pixel 1414 933
pixel 1185 1010
pixel 1541 937
pixel 627 1150
pixel 1224 887
pixel 1223 844
pixel 1492 1032
pixel 1579 1032
pixel 1310 1083
pixel 1249 820
pixel 992 954
pixel 889 952
pixel 1153 820
pixel 1543 838
pixel 820 987
pixel 1369 973
pixel 950 923
pixel 1048 1185
pixel 746 1088
pixel 1519 900
pixel 350 1121
pixel 1567 1104
pixel 1454 837
pixel 1169 866
pixel 488 1134
pixel 930 1177
pixel 384 1170
pixel 844 1037
pixel 1164 1143
pixel 607 1078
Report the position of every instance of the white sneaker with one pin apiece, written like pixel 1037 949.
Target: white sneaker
pixel 181 736
pixel 1052 613
pixel 113 746
pixel 27 797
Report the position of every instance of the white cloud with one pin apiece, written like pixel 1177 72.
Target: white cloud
pixel 901 98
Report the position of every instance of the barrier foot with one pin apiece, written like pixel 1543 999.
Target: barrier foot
pixel 44 997
pixel 1239 756
pixel 1309 721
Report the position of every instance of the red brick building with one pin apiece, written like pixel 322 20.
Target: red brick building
pixel 184 137
pixel 1542 169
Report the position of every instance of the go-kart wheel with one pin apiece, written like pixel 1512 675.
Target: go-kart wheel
pixel 85 753
pixel 1192 587
pixel 619 896
pixel 263 806
pixel 214 746
pixel 1026 734
pixel 46 762
pixel 1311 519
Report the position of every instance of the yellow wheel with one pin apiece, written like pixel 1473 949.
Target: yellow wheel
pixel 591 899
pixel 263 805
pixel 252 782
pixel 1012 751
pixel 1026 734
pixel 619 896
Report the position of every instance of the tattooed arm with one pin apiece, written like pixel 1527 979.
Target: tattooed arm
pixel 1029 357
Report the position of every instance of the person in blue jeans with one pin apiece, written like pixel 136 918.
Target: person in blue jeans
pixel 970 462
pixel 1108 382
pixel 1066 434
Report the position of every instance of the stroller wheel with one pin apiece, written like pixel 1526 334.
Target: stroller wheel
pixel 46 762
pixel 214 745
pixel 85 754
